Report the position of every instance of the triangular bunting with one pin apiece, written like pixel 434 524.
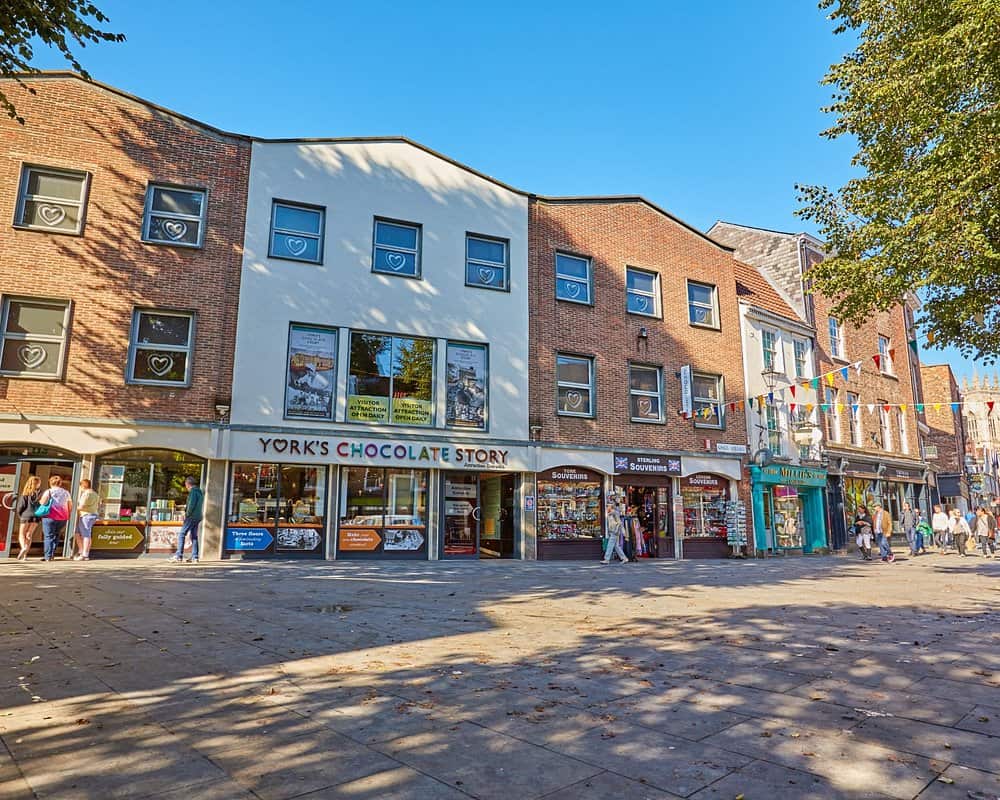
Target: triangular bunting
pixel 857 367
pixel 885 406
pixel 844 373
pixel 913 346
pixel 937 406
pixel 792 389
pixel 919 407
pixel 989 407
pixel 824 407
pixel 809 408
pixel 840 408
pixel 814 383
pixel 791 407
pixel 829 378
pixel 870 407
pixel 877 358
pixel 954 407
pixel 930 337
pixel 892 353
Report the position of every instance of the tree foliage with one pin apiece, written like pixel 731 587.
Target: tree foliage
pixel 61 24
pixel 920 94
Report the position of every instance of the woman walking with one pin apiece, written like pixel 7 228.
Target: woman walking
pixel 960 530
pixel 27 502
pixel 54 521
pixel 616 530
pixel 86 503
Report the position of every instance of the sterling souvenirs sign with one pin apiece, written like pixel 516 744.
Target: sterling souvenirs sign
pixel 631 464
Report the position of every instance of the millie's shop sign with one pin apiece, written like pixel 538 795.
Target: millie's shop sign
pixel 414 452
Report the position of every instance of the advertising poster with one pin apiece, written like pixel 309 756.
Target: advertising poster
pixel 248 539
pixel 362 539
pixel 301 539
pixel 367 409
pixel 411 411
pixel 312 359
pixel 466 386
pixel 164 537
pixel 403 539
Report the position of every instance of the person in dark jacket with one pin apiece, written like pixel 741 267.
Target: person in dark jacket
pixel 193 514
pixel 908 522
pixel 27 502
pixel 863 532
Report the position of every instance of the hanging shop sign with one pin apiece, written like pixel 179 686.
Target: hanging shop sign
pixel 687 393
pixel 248 539
pixel 734 449
pixel 631 464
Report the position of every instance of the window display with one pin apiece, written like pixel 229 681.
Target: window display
pixel 705 499
pixel 311 376
pixel 384 511
pixel 787 516
pixel 467 385
pixel 391 379
pixel 570 504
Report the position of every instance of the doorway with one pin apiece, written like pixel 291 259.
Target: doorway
pixel 478 515
pixel 13 474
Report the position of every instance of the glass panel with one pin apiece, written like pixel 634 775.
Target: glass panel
pixel 706 386
pixel 485 250
pixel 301 516
pixel 697 293
pixel 125 497
pixel 25 316
pixel 413 370
pixel 160 365
pixel 300 247
pixel 461 496
pixel 363 496
pixel 569 509
pixel 573 401
pixel 646 379
pixel 483 275
pixel 645 407
pixel 55 185
pixel 395 262
pixel 292 218
pixel 44 214
pixel 31 358
pixel 168 229
pixel 700 315
pixel 178 201
pixel 255 494
pixel 643 281
pixel 407 503
pixel 395 235
pixel 368 383
pixel 164 329
pixel 467 382
pixel 641 304
pixel 573 267
pixel 312 361
pixel 573 370
pixel 572 290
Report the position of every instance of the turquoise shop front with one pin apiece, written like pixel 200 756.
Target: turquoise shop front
pixel 788 510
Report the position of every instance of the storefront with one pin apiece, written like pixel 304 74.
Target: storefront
pixel 479 515
pixel 788 508
pixel 646 483
pixel 869 483
pixel 570 514
pixel 707 509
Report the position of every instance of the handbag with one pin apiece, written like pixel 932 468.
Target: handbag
pixel 43 509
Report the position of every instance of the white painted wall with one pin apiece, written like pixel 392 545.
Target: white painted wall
pixel 356 182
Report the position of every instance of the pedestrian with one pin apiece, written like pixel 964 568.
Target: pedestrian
pixel 882 525
pixel 56 504
pixel 960 531
pixel 27 504
pixel 924 533
pixel 86 508
pixel 908 522
pixel 863 533
pixel 193 513
pixel 942 528
pixel 983 533
pixel 616 530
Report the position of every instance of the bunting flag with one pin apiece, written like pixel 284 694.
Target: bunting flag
pixel 920 408
pixel 855 408
pixel 954 407
pixel 829 378
pixel 791 407
pixel 892 353
pixel 902 407
pixel 913 346
pixel 871 408
pixel 857 367
pixel 840 408
pixel 937 406
pixel 989 407
pixel 809 408
pixel 792 389
pixel 930 337
pixel 814 383
pixel 877 358
pixel 824 407
pixel 844 373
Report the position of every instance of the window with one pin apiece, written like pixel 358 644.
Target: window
pixel 51 200
pixel 773 431
pixel 397 248
pixel 801 425
pixel 391 379
pixel 174 216
pixel 297 232
pixel 708 399
pixel 160 349
pixel 311 372
pixel 801 358
pixel 486 263
pixel 972 425
pixel 34 337
pixel 703 305
pixel 468 385
pixel 645 393
pixel 833 414
pixel 769 348
pixel 885 360
pixel 277 507
pixel 836 342
pixel 642 292
pixel 574 386
pixel 885 425
pixel 573 278
pixel 383 513
pixel 854 418
pixel 904 441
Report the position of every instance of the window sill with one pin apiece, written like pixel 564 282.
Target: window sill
pixel 588 303
pixel 574 416
pixel 891 375
pixel 505 289
pixel 840 359
pixel 644 316
pixel 648 421
pixel 417 277
pixel 160 384
pixel 704 327
pixel 187 245
pixel 42 229
pixel 21 376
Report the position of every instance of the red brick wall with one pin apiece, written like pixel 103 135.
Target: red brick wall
pixel 107 271
pixel 947 427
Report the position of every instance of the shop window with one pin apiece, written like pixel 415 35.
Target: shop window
pixel 708 398
pixel 397 248
pixel 486 263
pixel 569 505
pixel 787 516
pixel 574 385
pixel 703 304
pixel 704 500
pixel 769 348
pixel 34 337
pixel 836 338
pixel 854 418
pixel 310 376
pixel 277 508
pixel 161 347
pixel 574 278
pixel 391 379
pixel 801 349
pixel 51 200
pixel 297 232
pixel 384 512
pixel 885 425
pixel 645 393
pixel 642 290
pixel 885 359
pixel 468 385
pixel 174 216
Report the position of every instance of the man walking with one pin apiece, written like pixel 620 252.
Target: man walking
pixel 193 513
pixel 940 525
pixel 984 533
pixel 883 530
pixel 908 522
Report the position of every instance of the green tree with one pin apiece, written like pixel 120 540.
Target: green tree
pixel 920 94
pixel 55 23
pixel 414 366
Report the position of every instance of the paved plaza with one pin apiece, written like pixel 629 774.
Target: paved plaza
pixel 793 678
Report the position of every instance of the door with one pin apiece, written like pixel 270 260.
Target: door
pixel 496 507
pixel 19 472
pixel 461 515
pixel 10 487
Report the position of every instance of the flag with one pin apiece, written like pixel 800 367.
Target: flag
pixel 840 408
pixel 809 408
pixel 954 407
pixel 930 337
pixel 870 407
pixel 937 406
pixel 857 367
pixel 792 389
pixel 741 405
pixel 920 408
pixel 814 383
pixel 877 358
pixel 902 407
pixel 829 378
pixel 892 353
pixel 913 346
pixel 844 373
pixel 989 407
pixel 885 406
pixel 824 407
pixel 770 398
pixel 855 408
pixel 791 407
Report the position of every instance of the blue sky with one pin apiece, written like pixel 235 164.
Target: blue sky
pixel 709 110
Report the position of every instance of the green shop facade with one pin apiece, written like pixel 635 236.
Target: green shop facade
pixel 788 512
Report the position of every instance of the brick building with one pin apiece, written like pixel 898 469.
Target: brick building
pixel 945 445
pixel 634 357
pixel 873 431
pixel 121 266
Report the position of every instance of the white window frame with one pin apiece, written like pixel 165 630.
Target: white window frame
pixel 292 232
pixel 484 264
pixel 23 198
pixel 415 251
pixel 63 340
pixel 800 354
pixel 904 443
pixel 135 347
pixel 716 323
pixel 886 367
pixel 658 394
pixel 721 402
pixel 587 283
pixel 148 213
pixel 832 400
pixel 837 349
pixel 590 387
pixel 775 364
pixel 885 426
pixel 654 295
pixel 772 424
pixel 854 423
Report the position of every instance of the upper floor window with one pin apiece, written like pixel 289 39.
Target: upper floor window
pixel 885 358
pixel 51 200
pixel 703 305
pixel 574 278
pixel 174 215
pixel 972 426
pixel 885 425
pixel 468 385
pixel 645 393
pixel 642 292
pixel 297 232
pixel 773 430
pixel 311 371
pixel 160 347
pixel 34 337
pixel 486 263
pixel 397 248
pixel 801 358
pixel 574 385
pixel 854 418
pixel 836 340
pixel 391 379
pixel 904 439
pixel 769 349
pixel 708 397
pixel 833 413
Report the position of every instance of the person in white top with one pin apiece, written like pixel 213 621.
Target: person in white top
pixel 940 525
pixel 616 529
pixel 960 530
